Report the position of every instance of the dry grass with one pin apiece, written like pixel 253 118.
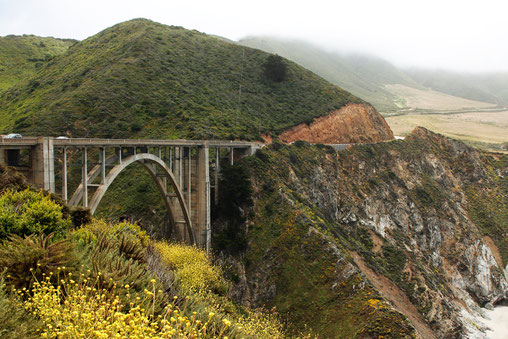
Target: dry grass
pixel 483 127
pixel 430 100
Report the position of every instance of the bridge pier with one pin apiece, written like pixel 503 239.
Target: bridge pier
pixel 203 223
pixel 43 164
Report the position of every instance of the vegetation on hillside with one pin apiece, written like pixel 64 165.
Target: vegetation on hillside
pixel 144 79
pixel 22 56
pixel 315 209
pixel 364 76
pixel 103 280
pixel 296 264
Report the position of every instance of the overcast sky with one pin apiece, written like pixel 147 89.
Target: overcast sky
pixel 459 35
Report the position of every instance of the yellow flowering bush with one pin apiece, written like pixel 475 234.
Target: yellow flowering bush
pixel 259 325
pixel 72 309
pixel 192 267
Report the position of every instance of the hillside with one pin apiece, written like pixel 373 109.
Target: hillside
pixel 369 78
pixel 22 56
pixel 349 243
pixel 75 277
pixel 145 79
pixel 362 75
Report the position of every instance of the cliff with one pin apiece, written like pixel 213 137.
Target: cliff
pixel 352 243
pixel 354 123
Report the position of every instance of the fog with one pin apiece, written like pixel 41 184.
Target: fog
pixel 458 35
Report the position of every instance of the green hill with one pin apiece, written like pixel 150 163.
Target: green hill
pixel 144 79
pixel 362 75
pixel 22 56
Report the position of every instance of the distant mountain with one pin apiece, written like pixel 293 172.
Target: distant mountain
pixel 144 79
pixel 22 56
pixel 371 78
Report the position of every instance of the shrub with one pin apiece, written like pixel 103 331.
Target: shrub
pixel 11 180
pixel 14 321
pixel 192 267
pixel 27 212
pixel 116 253
pixel 99 228
pixel 83 309
pixel 275 68
pixel 24 259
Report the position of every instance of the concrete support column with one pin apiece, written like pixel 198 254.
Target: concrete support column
pixel 43 164
pixel 189 181
pixel 231 156
pixel 171 159
pixel 102 156
pixel 176 163
pixel 3 159
pixel 217 173
pixel 119 154
pixel 179 164
pixel 64 174
pixel 202 226
pixel 84 173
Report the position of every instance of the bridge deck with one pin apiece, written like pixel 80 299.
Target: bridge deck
pixel 81 142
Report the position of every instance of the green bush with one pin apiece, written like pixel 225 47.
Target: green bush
pixel 28 212
pixel 15 322
pixel 33 257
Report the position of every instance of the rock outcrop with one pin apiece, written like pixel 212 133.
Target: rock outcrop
pixel 354 123
pixel 415 212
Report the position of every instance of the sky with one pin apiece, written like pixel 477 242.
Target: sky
pixel 458 35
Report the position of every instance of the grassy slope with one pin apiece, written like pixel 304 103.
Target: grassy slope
pixel 144 79
pixel 362 75
pixel 428 100
pixel 22 56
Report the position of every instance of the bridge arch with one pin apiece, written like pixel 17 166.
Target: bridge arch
pixel 151 163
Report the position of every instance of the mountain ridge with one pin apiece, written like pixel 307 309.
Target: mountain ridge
pixel 144 79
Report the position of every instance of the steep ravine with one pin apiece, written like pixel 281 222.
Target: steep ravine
pixel 414 213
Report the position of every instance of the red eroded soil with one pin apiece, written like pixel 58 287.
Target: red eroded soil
pixel 353 123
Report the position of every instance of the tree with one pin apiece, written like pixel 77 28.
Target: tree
pixel 275 68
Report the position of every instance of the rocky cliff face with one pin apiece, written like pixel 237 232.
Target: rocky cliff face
pixel 417 227
pixel 354 123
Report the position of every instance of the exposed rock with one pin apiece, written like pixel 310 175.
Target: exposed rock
pixel 354 123
pixel 414 201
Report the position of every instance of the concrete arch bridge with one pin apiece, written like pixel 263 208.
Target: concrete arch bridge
pixel 184 171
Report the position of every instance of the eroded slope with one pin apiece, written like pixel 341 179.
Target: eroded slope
pixel 416 212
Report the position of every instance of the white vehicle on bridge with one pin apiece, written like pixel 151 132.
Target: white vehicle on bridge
pixel 13 136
